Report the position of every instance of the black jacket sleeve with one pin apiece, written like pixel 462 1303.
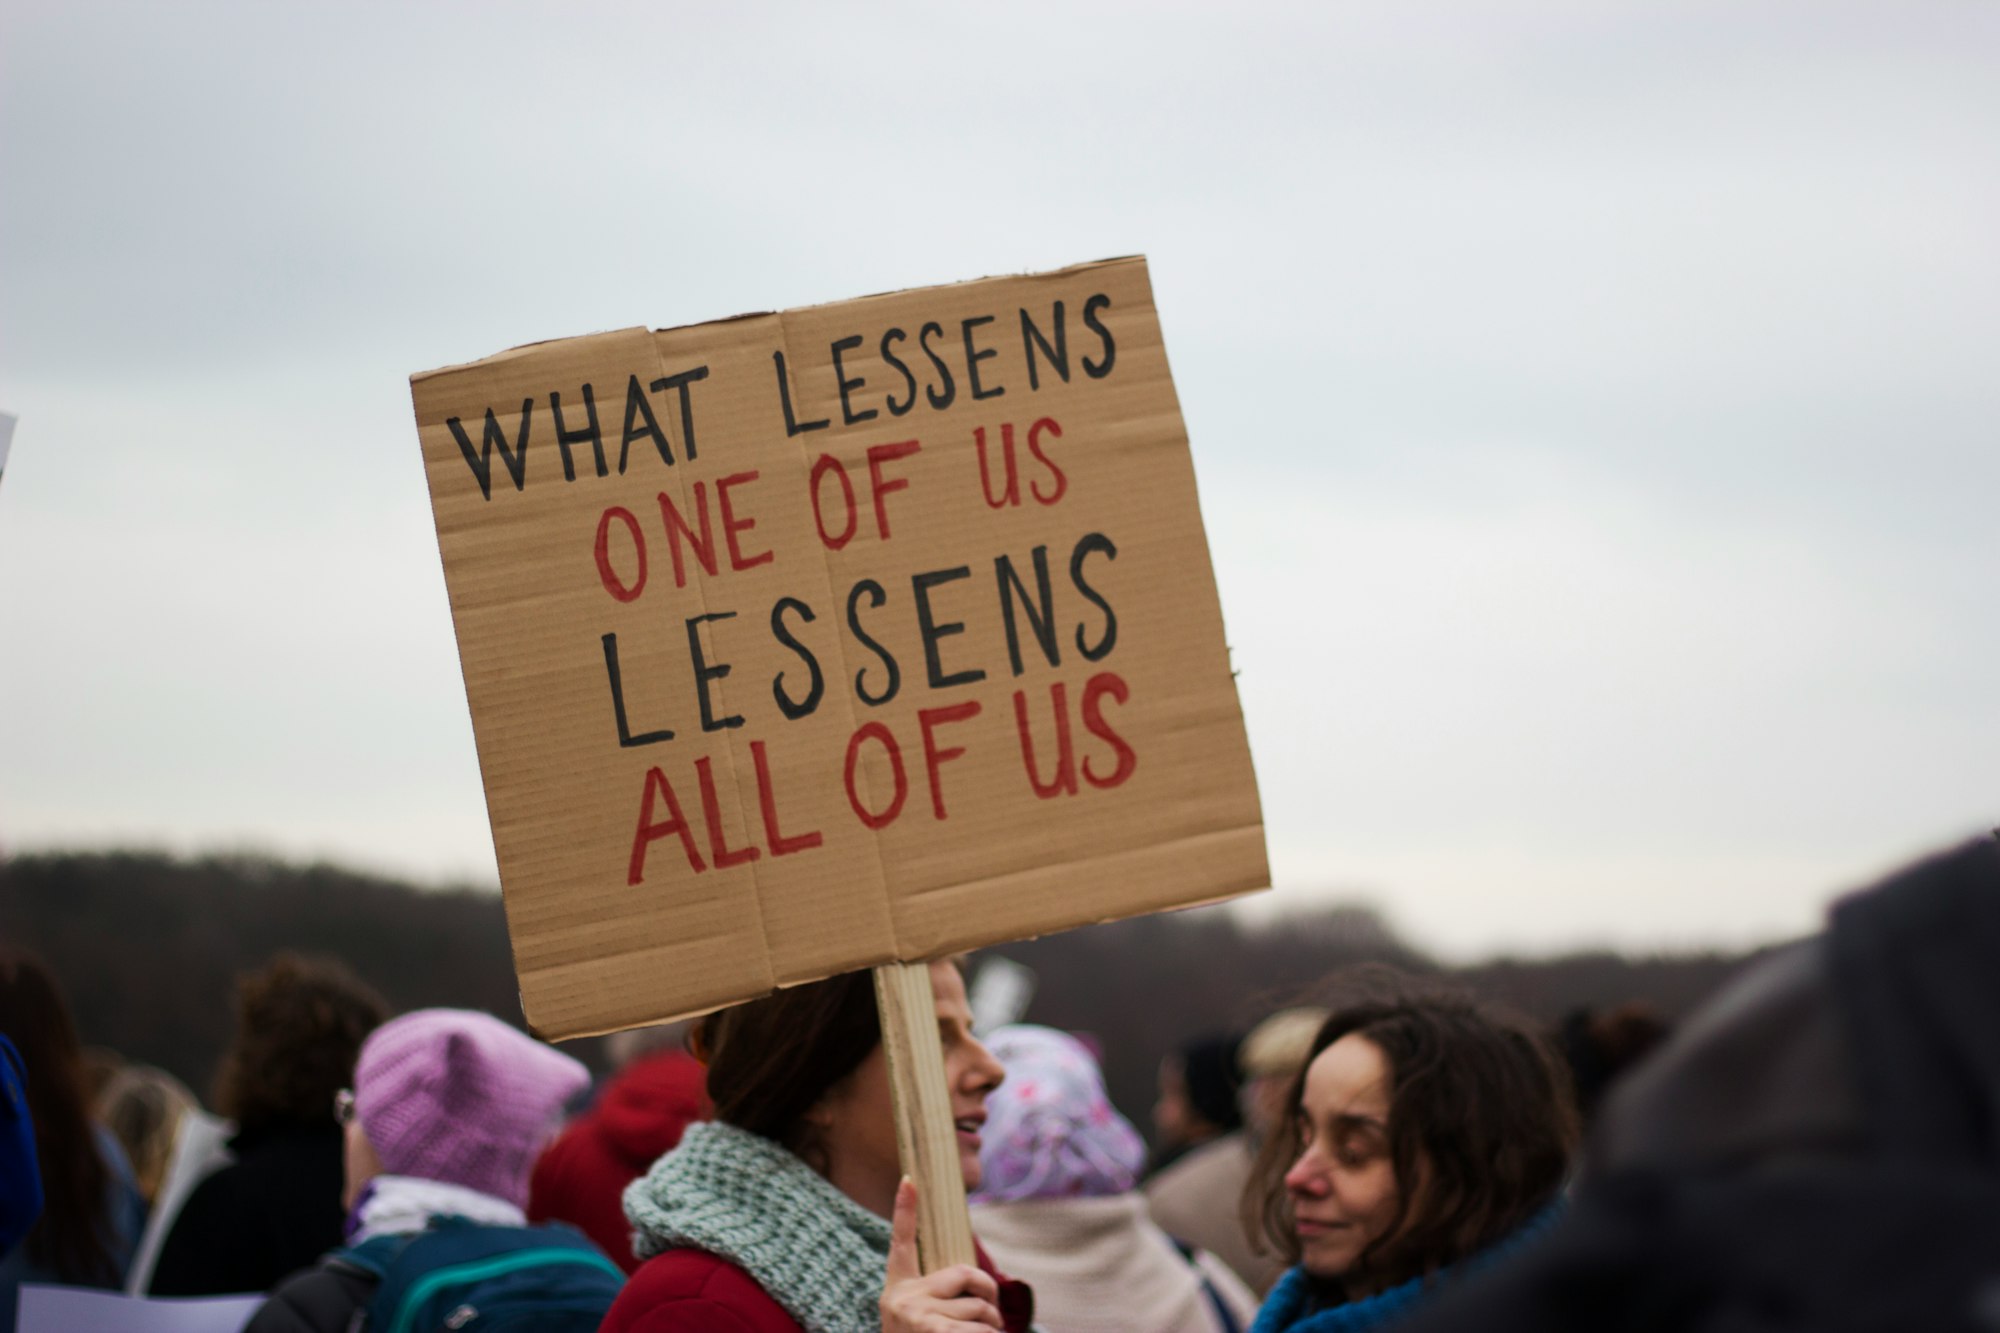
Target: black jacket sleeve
pixel 325 1299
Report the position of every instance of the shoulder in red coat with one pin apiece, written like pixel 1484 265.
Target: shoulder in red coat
pixel 686 1290
pixel 694 1290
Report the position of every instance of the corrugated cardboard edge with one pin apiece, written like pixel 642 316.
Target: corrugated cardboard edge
pixel 1256 831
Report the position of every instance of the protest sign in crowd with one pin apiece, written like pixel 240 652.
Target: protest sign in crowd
pixel 810 654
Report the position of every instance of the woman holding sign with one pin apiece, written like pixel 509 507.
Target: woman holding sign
pixel 1424 1137
pixel 789 1211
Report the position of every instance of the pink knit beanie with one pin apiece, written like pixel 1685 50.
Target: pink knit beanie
pixel 459 1096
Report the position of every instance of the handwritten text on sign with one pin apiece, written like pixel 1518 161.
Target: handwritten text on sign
pixel 798 642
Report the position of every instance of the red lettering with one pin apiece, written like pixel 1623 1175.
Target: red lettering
pixel 711 811
pixel 930 719
pixel 650 832
pixel 731 525
pixel 1064 782
pixel 888 742
pixel 767 798
pixel 1012 494
pixel 878 487
pixel 704 545
pixel 614 585
pixel 1035 447
pixel 1099 685
pixel 828 463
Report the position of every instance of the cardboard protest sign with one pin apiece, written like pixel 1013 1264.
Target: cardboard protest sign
pixel 802 642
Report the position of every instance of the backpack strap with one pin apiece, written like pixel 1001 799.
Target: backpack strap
pixel 456 1253
pixel 1224 1320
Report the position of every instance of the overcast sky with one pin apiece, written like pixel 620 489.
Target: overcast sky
pixel 1594 406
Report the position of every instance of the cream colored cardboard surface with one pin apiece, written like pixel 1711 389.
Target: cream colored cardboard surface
pixel 620 914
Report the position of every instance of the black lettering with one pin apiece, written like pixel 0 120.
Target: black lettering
pixel 793 426
pixel 1057 356
pixel 625 736
pixel 1094 542
pixel 876 596
pixel 704 673
pixel 1043 624
pixel 791 710
pixel 973 356
pixel 681 382
pixel 1097 370
pixel 590 433
pixel 636 407
pixel 898 335
pixel 848 415
pixel 938 400
pixel 921 584
pixel 516 459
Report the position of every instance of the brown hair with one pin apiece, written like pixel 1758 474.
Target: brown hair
pixel 142 1107
pixel 1479 1113
pixel 299 1026
pixel 73 1237
pixel 769 1061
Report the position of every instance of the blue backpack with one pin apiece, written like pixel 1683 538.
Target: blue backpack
pixel 467 1278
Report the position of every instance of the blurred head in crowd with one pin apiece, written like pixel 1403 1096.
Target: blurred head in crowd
pixel 101 1064
pixel 1423 1129
pixel 1270 1059
pixel 76 1235
pixel 1600 1046
pixel 1051 1131
pixel 457 1096
pixel 142 1107
pixel 804 1067
pixel 299 1024
pixel 1197 1102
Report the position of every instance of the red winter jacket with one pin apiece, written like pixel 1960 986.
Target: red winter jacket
pixel 692 1291
pixel 581 1177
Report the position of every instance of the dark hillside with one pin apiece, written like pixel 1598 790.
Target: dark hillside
pixel 149 947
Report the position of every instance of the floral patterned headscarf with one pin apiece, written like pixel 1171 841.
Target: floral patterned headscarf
pixel 1051 1132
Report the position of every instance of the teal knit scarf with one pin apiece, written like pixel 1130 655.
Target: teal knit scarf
pixel 743 1198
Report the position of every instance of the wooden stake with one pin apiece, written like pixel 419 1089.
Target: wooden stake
pixel 925 1136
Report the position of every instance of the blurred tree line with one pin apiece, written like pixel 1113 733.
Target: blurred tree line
pixel 149 947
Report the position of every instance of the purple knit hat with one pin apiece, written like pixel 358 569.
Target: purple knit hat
pixel 1051 1132
pixel 459 1096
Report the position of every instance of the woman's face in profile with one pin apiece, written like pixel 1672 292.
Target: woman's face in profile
pixel 856 1120
pixel 1343 1186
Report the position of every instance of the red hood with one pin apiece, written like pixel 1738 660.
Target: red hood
pixel 648 1104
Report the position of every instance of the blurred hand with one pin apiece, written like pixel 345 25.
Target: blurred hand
pixel 959 1299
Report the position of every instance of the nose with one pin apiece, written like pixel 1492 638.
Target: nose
pixel 1307 1176
pixel 983 1072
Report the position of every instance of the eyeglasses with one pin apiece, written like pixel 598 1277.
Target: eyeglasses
pixel 343 1106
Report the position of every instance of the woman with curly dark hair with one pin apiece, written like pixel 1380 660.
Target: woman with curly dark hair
pixel 91 1211
pixel 299 1025
pixel 1424 1133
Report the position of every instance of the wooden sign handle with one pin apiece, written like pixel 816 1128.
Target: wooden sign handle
pixel 926 1139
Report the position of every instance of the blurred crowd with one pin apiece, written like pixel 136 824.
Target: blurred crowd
pixel 1814 1149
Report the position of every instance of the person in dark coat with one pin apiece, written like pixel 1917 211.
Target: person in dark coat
pixel 276 1208
pixel 581 1177
pixel 90 1212
pixel 1815 1150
